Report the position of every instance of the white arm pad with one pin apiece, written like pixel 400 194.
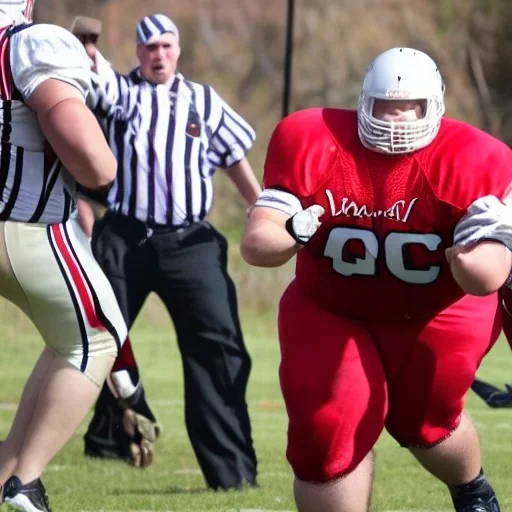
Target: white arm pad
pixel 279 200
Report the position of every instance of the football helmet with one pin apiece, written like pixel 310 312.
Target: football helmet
pixel 401 74
pixel 17 8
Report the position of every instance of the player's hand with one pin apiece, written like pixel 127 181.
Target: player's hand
pixel 303 225
pixel 142 434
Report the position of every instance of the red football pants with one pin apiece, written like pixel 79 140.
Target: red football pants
pixel 343 381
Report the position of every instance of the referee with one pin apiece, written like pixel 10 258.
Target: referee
pixel 169 135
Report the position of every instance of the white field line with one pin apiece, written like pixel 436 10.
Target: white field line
pixel 223 510
pixel 264 404
pixel 269 474
pixel 184 471
pixel 275 407
pixel 263 510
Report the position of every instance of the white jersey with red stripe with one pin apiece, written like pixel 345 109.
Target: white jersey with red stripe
pixel 34 186
pixel 46 264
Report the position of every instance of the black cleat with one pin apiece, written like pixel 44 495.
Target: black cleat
pixel 30 497
pixel 481 506
pixel 475 496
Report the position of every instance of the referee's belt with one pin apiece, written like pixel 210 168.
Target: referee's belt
pixel 169 228
pixel 141 231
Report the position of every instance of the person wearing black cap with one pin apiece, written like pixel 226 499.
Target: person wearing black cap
pixel 169 135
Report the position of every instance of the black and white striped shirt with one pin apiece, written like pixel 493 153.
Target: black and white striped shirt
pixel 34 186
pixel 168 140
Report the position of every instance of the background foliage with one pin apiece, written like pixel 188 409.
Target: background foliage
pixel 238 47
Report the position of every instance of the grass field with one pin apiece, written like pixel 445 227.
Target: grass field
pixel 174 483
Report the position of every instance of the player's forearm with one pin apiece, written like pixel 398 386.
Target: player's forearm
pixel 481 269
pixel 84 152
pixel 267 245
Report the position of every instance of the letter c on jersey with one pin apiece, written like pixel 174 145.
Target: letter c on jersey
pixel 393 252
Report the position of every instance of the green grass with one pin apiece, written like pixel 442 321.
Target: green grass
pixel 174 483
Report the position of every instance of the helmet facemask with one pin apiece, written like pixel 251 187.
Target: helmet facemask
pixel 388 79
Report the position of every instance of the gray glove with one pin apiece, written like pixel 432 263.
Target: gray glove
pixel 487 218
pixel 303 225
pixel 142 433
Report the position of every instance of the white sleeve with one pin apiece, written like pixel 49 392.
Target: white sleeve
pixel 487 218
pixel 43 52
pixel 279 200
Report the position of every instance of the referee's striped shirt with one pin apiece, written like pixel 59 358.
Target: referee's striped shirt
pixel 168 140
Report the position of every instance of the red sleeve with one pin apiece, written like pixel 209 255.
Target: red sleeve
pixel 300 155
pixel 491 161
pixel 471 164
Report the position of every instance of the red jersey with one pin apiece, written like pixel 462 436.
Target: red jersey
pixel 379 253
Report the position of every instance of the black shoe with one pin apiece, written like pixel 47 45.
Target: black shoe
pixel 475 496
pixel 30 497
pixel 241 486
pixel 480 505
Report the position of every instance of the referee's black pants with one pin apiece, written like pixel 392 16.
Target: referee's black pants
pixel 187 269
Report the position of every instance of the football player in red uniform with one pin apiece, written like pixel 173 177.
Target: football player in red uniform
pixel 375 331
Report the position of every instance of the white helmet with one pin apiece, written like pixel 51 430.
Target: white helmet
pixel 17 9
pixel 401 74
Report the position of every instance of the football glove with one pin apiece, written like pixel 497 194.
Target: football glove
pixel 303 225
pixel 487 218
pixel 493 396
pixel 122 429
pixel 142 432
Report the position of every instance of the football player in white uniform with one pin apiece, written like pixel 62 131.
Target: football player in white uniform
pixel 51 145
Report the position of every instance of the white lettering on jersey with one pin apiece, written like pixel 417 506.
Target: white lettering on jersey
pixel 394 245
pixel 399 211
